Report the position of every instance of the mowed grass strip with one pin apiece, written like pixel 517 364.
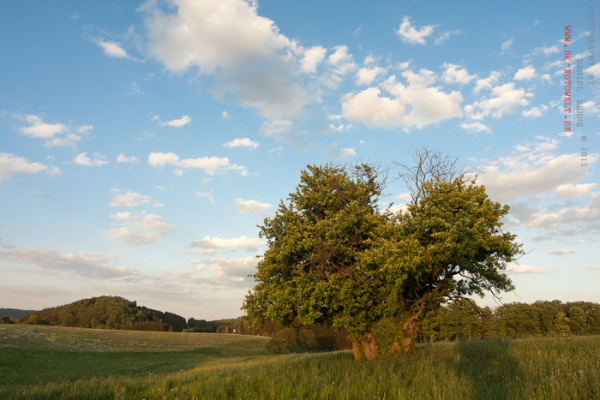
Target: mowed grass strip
pixel 542 368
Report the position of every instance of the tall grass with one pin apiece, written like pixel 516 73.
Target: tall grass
pixel 545 368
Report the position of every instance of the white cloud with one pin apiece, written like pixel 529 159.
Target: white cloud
pixel 593 70
pixel 506 46
pixel 128 199
pixel 233 268
pixel 456 74
pixel 547 50
pixel 411 35
pixel 561 252
pixel 208 195
pixel 534 112
pixel 112 49
pixel 525 74
pixel 444 36
pixel 311 59
pixel 11 164
pixel 87 265
pixel 416 104
pixel 505 99
pixel 570 190
pixel 276 127
pixel 241 142
pixel 524 269
pixel 122 158
pixel 209 242
pixel 40 129
pixel 138 229
pixel 531 170
pixel 54 134
pixel 366 75
pixel 333 153
pixel 83 160
pixel 243 51
pixel 340 63
pixel 487 83
pixel 252 206
pixel 475 127
pixel 177 123
pixel 210 165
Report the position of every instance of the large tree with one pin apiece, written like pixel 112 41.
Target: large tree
pixel 334 257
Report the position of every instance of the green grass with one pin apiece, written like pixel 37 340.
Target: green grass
pixel 70 363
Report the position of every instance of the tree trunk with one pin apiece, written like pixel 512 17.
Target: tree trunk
pixel 371 347
pixel 366 348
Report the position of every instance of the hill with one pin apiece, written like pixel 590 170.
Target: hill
pixel 108 312
pixel 14 312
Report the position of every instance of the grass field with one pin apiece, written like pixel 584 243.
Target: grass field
pixel 45 362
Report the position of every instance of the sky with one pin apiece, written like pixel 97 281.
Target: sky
pixel 142 142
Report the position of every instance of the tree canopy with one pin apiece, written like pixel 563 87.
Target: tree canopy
pixel 333 256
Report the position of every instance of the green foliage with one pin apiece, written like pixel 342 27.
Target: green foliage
pixel 464 320
pixel 35 319
pixel 111 312
pixel 277 346
pixel 334 258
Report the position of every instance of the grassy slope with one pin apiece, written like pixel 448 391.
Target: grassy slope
pixel 69 363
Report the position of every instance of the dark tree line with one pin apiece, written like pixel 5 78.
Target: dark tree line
pixel 108 312
pixel 464 320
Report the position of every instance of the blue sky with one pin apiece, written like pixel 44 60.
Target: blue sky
pixel 142 142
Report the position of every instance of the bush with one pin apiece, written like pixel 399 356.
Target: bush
pixel 277 346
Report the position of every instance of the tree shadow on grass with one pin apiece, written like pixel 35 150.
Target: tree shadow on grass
pixel 492 369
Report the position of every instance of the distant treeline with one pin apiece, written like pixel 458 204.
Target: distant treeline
pixel 108 312
pixel 461 320
pixel 465 320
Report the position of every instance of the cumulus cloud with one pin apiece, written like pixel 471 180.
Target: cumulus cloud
pixel 252 206
pixel 487 83
pixel 456 74
pixel 335 154
pixel 122 158
pixel 414 104
pixel 128 199
pixel 112 49
pixel 209 242
pixel 274 128
pixel 209 195
pixel 243 51
pixel 475 127
pixel 534 112
pixel 175 123
pixel 530 170
pixel 311 59
pixel 57 134
pixel 570 190
pixel 241 142
pixel 525 74
pixel 411 35
pixel 11 164
pixel 138 229
pixel 366 75
pixel 83 160
pixel 210 165
pixel 86 265
pixel 504 100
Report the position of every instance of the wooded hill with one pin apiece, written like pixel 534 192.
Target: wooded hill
pixel 108 312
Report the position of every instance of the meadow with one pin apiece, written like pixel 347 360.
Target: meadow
pixel 48 362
